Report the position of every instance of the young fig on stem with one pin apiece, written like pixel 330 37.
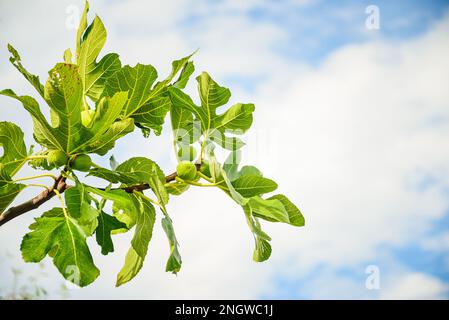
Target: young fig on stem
pixel 186 170
pixel 82 162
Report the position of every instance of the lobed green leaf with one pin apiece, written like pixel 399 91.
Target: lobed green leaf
pixel 60 236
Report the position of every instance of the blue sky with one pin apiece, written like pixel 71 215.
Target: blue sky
pixel 360 119
pixel 314 30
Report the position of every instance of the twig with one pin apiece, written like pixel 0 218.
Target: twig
pixel 60 186
pixel 13 212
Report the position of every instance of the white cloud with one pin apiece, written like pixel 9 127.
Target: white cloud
pixel 439 242
pixel 359 128
pixel 416 286
pixel 234 45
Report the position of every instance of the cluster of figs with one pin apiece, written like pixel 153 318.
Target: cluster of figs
pixel 57 158
pixel 186 170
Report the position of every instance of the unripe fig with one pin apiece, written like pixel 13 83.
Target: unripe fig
pixel 82 162
pixel 86 117
pixel 56 158
pixel 187 153
pixel 186 170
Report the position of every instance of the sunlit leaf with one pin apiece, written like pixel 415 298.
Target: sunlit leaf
pixel 273 209
pixel 184 76
pixel 14 153
pixel 64 95
pixel 44 134
pixel 124 208
pixel 238 118
pixel 99 135
pixel 94 74
pixel 174 260
pixel 176 188
pixel 137 81
pixel 81 28
pixel 17 63
pixel 146 171
pixel 250 185
pixel 79 207
pixel 139 244
pixel 294 214
pixel 105 142
pixel 62 236
pixel 262 247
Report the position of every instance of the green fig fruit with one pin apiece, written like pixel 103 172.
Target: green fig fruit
pixel 186 170
pixel 82 162
pixel 56 158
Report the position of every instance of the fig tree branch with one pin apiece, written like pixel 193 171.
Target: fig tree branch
pixel 60 185
pixel 13 212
